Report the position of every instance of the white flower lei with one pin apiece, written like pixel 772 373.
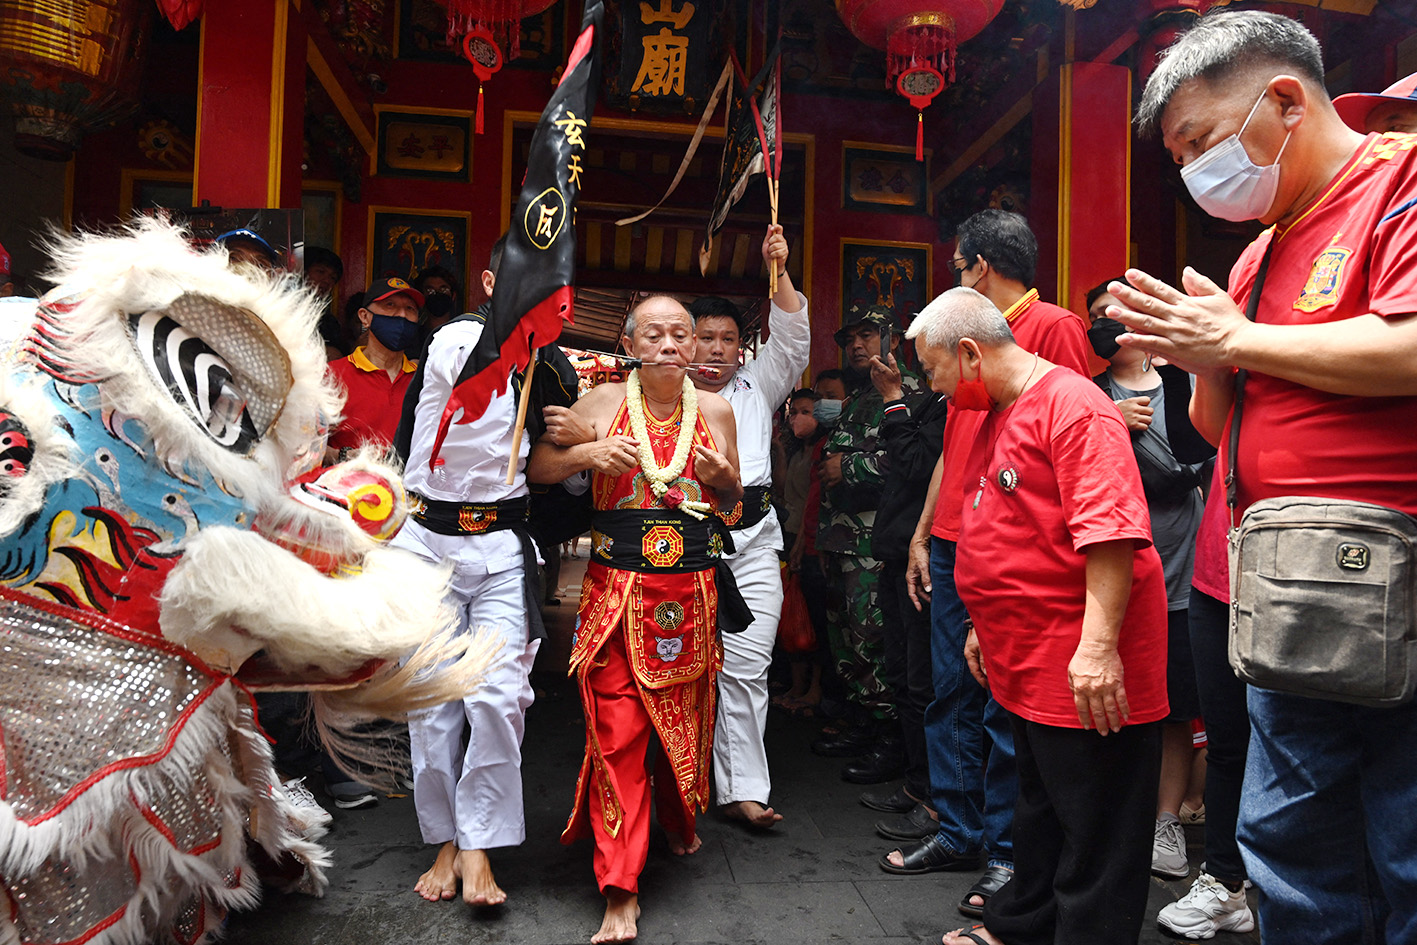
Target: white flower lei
pixel 658 476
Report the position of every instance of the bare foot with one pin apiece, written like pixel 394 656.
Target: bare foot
pixel 681 847
pixel 979 933
pixel 478 886
pixel 751 813
pixel 441 881
pixel 622 911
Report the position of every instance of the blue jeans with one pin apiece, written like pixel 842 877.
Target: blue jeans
pixel 975 802
pixel 1326 820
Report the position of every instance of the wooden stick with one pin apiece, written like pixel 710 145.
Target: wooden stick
pixel 772 203
pixel 522 404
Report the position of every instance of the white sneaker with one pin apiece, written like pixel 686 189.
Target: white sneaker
pixel 1208 908
pixel 1168 849
pixel 305 813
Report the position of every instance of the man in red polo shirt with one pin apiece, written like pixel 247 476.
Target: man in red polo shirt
pixel 377 374
pixel 1330 403
pixel 1068 599
pixel 996 254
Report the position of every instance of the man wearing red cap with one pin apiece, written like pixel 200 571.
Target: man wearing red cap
pixel 7 285
pixel 1392 109
pixel 376 376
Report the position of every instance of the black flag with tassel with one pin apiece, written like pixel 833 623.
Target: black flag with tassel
pixel 534 282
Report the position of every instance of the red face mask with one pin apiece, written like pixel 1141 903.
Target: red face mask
pixel 970 395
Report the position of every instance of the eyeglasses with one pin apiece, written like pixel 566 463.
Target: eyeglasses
pixel 959 264
pixel 438 290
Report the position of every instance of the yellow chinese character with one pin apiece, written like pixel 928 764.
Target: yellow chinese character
pixel 664 63
pixel 543 225
pixel 575 168
pixel 666 14
pixel 573 128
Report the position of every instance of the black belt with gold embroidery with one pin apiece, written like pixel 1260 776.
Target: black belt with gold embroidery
pixel 656 541
pixel 756 504
pixel 468 518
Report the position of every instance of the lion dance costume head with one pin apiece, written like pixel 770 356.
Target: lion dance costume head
pixel 168 545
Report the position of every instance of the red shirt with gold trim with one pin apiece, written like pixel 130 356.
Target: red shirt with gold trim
pixel 373 402
pixel 1354 251
pixel 1054 334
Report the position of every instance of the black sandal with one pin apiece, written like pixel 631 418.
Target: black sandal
pixel 929 856
pixel 993 880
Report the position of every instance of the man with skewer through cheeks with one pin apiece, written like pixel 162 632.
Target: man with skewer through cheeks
pixel 664 457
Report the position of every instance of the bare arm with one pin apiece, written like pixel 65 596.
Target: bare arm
pixel 917 569
pixel 551 463
pixel 1095 671
pixel 718 469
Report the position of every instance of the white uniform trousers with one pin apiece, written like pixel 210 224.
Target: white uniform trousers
pixel 740 760
pixel 474 795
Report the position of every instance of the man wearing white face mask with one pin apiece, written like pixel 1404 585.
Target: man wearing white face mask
pixel 1330 401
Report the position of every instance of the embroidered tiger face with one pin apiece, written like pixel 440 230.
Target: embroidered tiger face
pixel 668 649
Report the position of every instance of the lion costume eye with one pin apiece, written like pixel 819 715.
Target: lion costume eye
pixel 220 364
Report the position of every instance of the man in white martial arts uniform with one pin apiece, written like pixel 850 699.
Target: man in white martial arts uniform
pixel 470 800
pixel 755 391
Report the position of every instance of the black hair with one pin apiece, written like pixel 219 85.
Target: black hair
pixel 804 392
pixel 1005 240
pixel 494 259
pixel 1101 289
pixel 320 256
pixel 715 306
pixel 437 272
pixel 831 374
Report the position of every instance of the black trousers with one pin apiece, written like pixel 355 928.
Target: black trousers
pixel 1227 732
pixel 905 635
pixel 1083 829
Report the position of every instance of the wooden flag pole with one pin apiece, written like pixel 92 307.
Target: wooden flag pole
pixel 523 402
pixel 772 203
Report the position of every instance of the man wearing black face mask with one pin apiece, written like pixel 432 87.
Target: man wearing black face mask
pixel 376 376
pixel 442 300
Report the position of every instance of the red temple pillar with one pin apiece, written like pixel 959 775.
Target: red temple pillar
pixel 250 105
pixel 1082 190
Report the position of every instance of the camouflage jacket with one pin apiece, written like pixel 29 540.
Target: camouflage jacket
pixel 848 511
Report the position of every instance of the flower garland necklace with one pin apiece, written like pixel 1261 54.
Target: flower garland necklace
pixel 658 476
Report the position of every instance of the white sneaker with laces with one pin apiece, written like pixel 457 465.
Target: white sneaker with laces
pixel 305 813
pixel 1168 849
pixel 1208 908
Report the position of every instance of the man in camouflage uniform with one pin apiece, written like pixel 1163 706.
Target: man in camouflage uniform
pixel 852 474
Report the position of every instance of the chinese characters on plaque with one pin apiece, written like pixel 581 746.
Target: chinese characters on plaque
pixel 432 146
pixel 667 49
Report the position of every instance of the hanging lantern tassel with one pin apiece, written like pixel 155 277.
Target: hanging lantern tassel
pixel 482 51
pixel 920 63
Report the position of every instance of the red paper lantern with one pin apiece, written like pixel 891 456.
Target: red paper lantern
pixel 487 27
pixel 919 37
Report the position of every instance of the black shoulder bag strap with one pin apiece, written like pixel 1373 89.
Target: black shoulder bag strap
pixel 1251 309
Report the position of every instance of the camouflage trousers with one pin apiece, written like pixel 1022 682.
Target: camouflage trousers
pixel 854 626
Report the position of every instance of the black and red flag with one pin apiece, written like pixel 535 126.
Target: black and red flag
pixel 534 281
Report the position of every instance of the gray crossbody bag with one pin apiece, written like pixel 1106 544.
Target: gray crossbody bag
pixel 1322 591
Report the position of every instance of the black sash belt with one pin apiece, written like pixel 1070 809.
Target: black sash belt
pixel 482 518
pixel 468 518
pixel 756 504
pixel 668 542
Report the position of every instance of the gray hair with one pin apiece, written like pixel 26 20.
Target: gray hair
pixel 632 318
pixel 960 313
pixel 1223 45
